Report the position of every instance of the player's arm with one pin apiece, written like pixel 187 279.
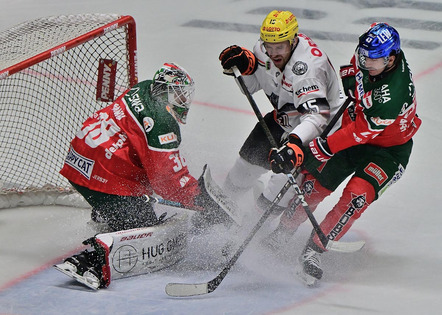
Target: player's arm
pixel 169 176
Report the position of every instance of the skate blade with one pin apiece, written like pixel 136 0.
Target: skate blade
pixel 306 279
pixel 89 282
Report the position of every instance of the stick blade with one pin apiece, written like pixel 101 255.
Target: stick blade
pixel 345 247
pixel 185 289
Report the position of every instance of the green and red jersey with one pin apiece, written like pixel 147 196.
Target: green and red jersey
pixel 131 148
pixel 385 111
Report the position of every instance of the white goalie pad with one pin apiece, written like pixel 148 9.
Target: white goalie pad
pixel 145 250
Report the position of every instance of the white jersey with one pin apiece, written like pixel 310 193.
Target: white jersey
pixel 305 95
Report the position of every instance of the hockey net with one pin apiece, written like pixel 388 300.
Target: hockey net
pixel 55 72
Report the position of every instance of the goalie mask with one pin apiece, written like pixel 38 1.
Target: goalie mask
pixel 174 87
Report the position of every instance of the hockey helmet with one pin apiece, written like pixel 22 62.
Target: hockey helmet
pixel 279 26
pixel 379 41
pixel 173 85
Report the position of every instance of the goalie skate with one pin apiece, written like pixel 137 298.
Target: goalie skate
pixel 89 278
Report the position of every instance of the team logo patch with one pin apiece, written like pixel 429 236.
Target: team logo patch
pixel 148 124
pixel 309 187
pixel 80 163
pixel 168 138
pixel 299 68
pixel 376 172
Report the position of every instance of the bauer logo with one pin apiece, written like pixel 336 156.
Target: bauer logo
pixel 80 163
pixel 107 71
pixel 167 138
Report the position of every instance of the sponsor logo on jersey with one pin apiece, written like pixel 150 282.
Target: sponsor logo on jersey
pixel 118 112
pixel 397 175
pixel 100 179
pixel 135 100
pixel 184 180
pixel 148 124
pixel 359 87
pixel 381 122
pixel 168 138
pixel 382 94
pixel 115 146
pixel 80 163
pixel 376 172
pixel 307 90
pixel 299 68
pixel 356 204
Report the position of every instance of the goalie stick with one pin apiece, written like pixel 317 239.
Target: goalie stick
pixel 214 191
pixel 186 290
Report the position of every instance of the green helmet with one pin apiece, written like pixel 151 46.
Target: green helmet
pixel 173 86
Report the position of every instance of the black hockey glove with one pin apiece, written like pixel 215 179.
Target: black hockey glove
pixel 240 57
pixel 287 157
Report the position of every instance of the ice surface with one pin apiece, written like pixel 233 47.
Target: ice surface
pixel 397 273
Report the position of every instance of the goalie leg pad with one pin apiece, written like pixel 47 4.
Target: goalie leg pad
pixel 145 250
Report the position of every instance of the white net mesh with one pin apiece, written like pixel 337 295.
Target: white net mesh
pixel 43 105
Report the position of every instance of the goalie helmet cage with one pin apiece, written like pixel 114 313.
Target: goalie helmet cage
pixel 52 78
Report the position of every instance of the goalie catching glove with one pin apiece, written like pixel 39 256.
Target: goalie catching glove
pixel 240 57
pixel 287 157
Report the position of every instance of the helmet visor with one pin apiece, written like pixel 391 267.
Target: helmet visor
pixel 366 63
pixel 180 97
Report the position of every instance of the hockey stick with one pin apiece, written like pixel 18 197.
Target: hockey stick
pixel 185 289
pixel 338 246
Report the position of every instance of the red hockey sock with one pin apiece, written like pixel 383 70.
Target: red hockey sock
pixel 356 197
pixel 314 193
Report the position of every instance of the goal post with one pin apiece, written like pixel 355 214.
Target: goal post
pixel 54 73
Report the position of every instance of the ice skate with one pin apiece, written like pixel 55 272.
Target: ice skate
pixel 80 268
pixel 309 269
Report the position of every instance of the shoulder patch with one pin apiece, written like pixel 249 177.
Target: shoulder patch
pixel 148 124
pixel 299 68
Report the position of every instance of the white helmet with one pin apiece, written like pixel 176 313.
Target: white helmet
pixel 174 86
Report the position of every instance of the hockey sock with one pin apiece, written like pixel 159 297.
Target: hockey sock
pixel 356 197
pixel 314 193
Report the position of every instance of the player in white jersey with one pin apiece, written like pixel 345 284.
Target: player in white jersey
pixel 303 88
